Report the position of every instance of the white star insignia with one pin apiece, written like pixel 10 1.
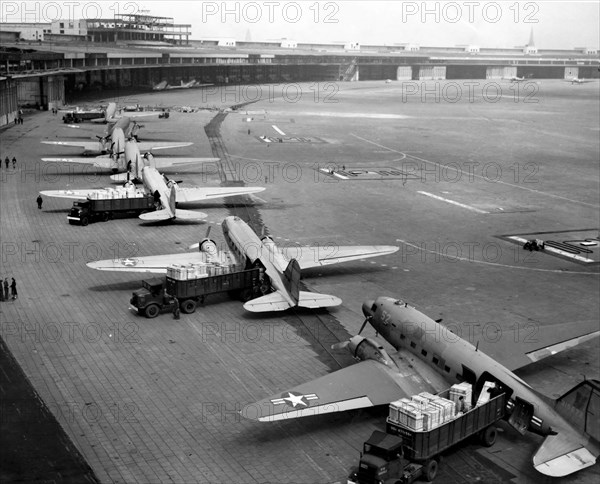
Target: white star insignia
pixel 294 399
pixel 129 262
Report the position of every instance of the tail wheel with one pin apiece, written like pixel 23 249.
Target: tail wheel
pixel 188 306
pixel 430 471
pixel 488 436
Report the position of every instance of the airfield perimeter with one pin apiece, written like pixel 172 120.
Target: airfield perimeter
pixel 156 400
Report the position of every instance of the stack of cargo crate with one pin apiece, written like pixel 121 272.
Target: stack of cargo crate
pixel 197 270
pixel 464 390
pixel 422 412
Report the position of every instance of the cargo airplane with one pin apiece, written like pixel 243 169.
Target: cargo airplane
pixel 165 86
pixel 430 357
pixel 282 271
pixel 112 148
pixel 167 194
pixel 577 80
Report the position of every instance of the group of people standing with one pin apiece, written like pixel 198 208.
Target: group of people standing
pixel 13 289
pixel 19 117
pixel 7 162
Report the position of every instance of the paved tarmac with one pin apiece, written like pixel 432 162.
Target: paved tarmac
pixel 447 179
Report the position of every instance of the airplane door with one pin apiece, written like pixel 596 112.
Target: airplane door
pixel 521 415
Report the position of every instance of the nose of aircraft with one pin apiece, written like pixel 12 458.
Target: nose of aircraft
pixel 366 308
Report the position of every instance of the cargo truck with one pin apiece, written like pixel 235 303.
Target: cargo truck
pixel 79 116
pixel 157 295
pixel 401 455
pixel 92 210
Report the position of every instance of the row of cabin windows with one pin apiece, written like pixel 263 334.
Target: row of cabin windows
pixel 435 359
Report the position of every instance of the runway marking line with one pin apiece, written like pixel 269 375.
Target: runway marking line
pixel 447 200
pixel 533 190
pixel 278 130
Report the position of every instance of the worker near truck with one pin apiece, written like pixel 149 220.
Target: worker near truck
pixel 39 201
pixel 176 310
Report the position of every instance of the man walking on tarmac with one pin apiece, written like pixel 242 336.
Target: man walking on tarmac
pixel 6 288
pixel 39 201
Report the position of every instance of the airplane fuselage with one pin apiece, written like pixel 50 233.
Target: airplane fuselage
pixel 155 182
pixel 247 246
pixel 458 360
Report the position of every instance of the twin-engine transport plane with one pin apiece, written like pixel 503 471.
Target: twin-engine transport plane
pixel 167 194
pixel 282 271
pixel 430 358
pixel 116 146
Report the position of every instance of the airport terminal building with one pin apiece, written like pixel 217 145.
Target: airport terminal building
pixel 42 65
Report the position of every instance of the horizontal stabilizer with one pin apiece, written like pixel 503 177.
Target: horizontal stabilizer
pixel 189 215
pixel 123 177
pixel 164 215
pixel 559 456
pixel 316 300
pixel 276 301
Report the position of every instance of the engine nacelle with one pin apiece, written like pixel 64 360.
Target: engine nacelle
pixel 367 349
pixel 209 246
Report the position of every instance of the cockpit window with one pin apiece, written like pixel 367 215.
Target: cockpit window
pixel 374 307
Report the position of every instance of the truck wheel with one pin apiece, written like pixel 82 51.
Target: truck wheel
pixel 430 470
pixel 152 310
pixel 84 221
pixel 488 436
pixel 188 306
pixel 105 216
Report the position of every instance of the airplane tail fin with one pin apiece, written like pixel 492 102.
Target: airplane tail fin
pixel 291 280
pixel 579 406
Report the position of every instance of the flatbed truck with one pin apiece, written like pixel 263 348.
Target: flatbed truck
pixel 158 295
pixel 90 210
pixel 401 455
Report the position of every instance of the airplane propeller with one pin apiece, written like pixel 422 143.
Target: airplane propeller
pixel 197 244
pixel 354 339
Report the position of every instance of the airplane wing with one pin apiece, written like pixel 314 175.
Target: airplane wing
pixel 524 344
pixel 160 163
pixel 309 257
pixel 364 384
pixel 562 454
pixel 195 194
pixel 139 114
pixel 160 145
pixel 277 302
pixel 100 161
pixel 156 264
pixel 87 145
pixel 72 194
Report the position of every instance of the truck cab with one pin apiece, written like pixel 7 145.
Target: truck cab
pixel 381 459
pixel 80 212
pixel 151 299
